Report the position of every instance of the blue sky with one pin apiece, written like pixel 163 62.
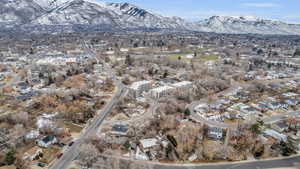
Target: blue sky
pixel 286 10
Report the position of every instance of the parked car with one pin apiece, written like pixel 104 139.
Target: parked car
pixel 60 144
pixel 71 143
pixel 285 116
pixel 40 164
pixel 59 155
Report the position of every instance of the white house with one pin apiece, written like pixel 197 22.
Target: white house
pixel 275 135
pixel 47 141
pixel 147 144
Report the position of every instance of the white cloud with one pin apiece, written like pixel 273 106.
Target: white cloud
pixel 261 4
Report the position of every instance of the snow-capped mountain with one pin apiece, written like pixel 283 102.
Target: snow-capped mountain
pixel 94 14
pixel 241 25
pixel 14 12
pixel 120 15
pixel 77 12
pixel 50 4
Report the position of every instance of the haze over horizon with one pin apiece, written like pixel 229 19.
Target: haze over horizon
pixel 194 10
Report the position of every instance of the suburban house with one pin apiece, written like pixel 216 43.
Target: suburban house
pixel 291 102
pixel 280 126
pixel 33 77
pixel 216 117
pixel 275 134
pixel 274 105
pixel 21 86
pixel 33 153
pixel 260 107
pixel 119 130
pixel 147 144
pixel 215 133
pixel 47 141
pixel 290 95
pixel 202 108
pixel 231 115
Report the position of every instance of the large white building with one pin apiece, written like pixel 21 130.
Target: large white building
pixel 57 61
pixel 137 88
pixel 169 90
pixel 161 91
pixel 184 85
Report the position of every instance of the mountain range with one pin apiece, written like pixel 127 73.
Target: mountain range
pixel 41 15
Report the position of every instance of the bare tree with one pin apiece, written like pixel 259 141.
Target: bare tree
pixel 88 155
pixel 186 138
pixel 22 164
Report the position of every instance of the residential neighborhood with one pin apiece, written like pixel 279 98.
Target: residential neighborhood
pixel 72 99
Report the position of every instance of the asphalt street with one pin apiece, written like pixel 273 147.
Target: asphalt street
pixel 72 152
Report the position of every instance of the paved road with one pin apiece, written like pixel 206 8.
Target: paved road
pixel 72 151
pixel 260 164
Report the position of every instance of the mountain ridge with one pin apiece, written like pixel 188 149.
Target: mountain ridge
pixel 122 16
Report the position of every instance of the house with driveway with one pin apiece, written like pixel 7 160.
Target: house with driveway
pixel 47 141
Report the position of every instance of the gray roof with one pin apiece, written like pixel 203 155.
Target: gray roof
pixel 120 128
pixel 48 138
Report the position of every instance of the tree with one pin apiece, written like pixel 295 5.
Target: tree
pixel 291 121
pixel 128 60
pixel 136 44
pixel 168 122
pixel 210 100
pixel 77 81
pixel 108 84
pixel 187 112
pixel 260 52
pixel 183 95
pixel 165 74
pixel 88 155
pixel 258 87
pixel 256 128
pixel 9 158
pixel 296 53
pixel 22 164
pixel 22 118
pixel 186 138
pixel 31 51
pixel 195 54
pixel 287 148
